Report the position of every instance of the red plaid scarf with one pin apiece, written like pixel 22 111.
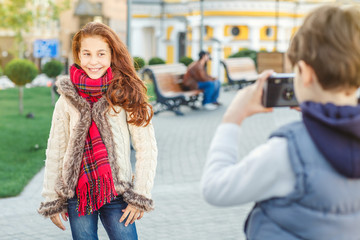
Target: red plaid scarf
pixel 95 186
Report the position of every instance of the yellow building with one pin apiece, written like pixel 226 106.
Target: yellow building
pixel 171 29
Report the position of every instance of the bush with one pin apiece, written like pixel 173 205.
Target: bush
pixel 156 60
pixel 139 63
pixel 186 60
pixel 21 71
pixel 246 53
pixel 1 71
pixel 53 68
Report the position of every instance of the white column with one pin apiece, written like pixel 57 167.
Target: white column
pixel 161 42
pixel 282 43
pixel 160 39
pixel 136 41
pixel 195 42
pixel 217 52
pixel 255 37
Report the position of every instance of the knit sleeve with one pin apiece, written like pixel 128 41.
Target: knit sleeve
pixel 55 152
pixel 144 143
pixel 264 173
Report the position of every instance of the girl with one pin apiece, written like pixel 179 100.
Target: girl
pixel 88 170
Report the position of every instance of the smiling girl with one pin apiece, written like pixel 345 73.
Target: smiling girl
pixel 88 172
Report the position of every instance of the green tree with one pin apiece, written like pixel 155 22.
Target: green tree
pixel 139 63
pixel 1 71
pixel 53 69
pixel 20 15
pixel 21 71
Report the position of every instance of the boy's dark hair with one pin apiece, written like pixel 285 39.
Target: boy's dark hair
pixel 329 41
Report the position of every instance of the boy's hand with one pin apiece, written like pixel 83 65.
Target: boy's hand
pixel 247 101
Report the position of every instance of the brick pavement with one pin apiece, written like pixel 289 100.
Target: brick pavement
pixel 180 211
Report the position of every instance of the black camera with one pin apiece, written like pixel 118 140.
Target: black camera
pixel 279 91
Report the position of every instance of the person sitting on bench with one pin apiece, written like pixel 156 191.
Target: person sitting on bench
pixel 196 77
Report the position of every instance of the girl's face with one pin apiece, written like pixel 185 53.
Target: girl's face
pixel 95 56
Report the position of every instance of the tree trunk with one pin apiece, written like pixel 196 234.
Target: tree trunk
pixel 52 91
pixel 21 95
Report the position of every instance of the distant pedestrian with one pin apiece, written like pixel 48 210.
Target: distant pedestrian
pixel 196 77
pixel 88 170
pixel 305 179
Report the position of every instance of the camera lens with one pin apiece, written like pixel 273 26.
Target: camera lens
pixel 288 94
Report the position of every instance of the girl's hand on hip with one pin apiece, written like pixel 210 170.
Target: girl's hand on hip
pixel 132 214
pixel 57 221
pixel 247 101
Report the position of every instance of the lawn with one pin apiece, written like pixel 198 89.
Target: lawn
pixel 22 140
pixel 150 91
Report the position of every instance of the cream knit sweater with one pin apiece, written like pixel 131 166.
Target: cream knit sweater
pixel 71 119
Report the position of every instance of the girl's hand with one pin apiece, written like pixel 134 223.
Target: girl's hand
pixel 57 221
pixel 132 213
pixel 247 101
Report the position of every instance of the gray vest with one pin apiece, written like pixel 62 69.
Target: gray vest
pixel 324 205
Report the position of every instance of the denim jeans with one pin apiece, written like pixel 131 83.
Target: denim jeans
pixel 211 91
pixel 85 227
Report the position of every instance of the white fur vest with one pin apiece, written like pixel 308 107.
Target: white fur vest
pixel 71 119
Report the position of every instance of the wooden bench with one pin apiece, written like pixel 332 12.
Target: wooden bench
pixel 277 61
pixel 240 71
pixel 167 79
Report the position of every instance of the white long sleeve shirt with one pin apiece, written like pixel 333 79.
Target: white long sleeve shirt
pixel 264 173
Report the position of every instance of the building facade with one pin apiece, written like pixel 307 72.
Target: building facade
pixel 172 29
pixel 169 29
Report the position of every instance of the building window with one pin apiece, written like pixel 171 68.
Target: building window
pixel 169 32
pixel 235 31
pixel 269 32
pixel 209 32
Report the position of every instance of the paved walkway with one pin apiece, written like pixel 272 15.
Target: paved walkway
pixel 180 212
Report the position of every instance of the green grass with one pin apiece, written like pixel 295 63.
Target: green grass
pixel 19 158
pixel 150 91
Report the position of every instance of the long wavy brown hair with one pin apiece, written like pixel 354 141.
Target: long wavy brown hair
pixel 126 89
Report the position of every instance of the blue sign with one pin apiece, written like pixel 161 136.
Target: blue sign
pixel 46 48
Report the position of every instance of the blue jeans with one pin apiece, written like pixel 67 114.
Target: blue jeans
pixel 211 91
pixel 85 227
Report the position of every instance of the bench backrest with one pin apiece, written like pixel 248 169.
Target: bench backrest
pixel 168 76
pixel 242 67
pixel 167 82
pixel 277 61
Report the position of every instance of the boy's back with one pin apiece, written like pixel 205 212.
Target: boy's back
pixel 324 203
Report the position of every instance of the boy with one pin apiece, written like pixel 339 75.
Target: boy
pixel 305 179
